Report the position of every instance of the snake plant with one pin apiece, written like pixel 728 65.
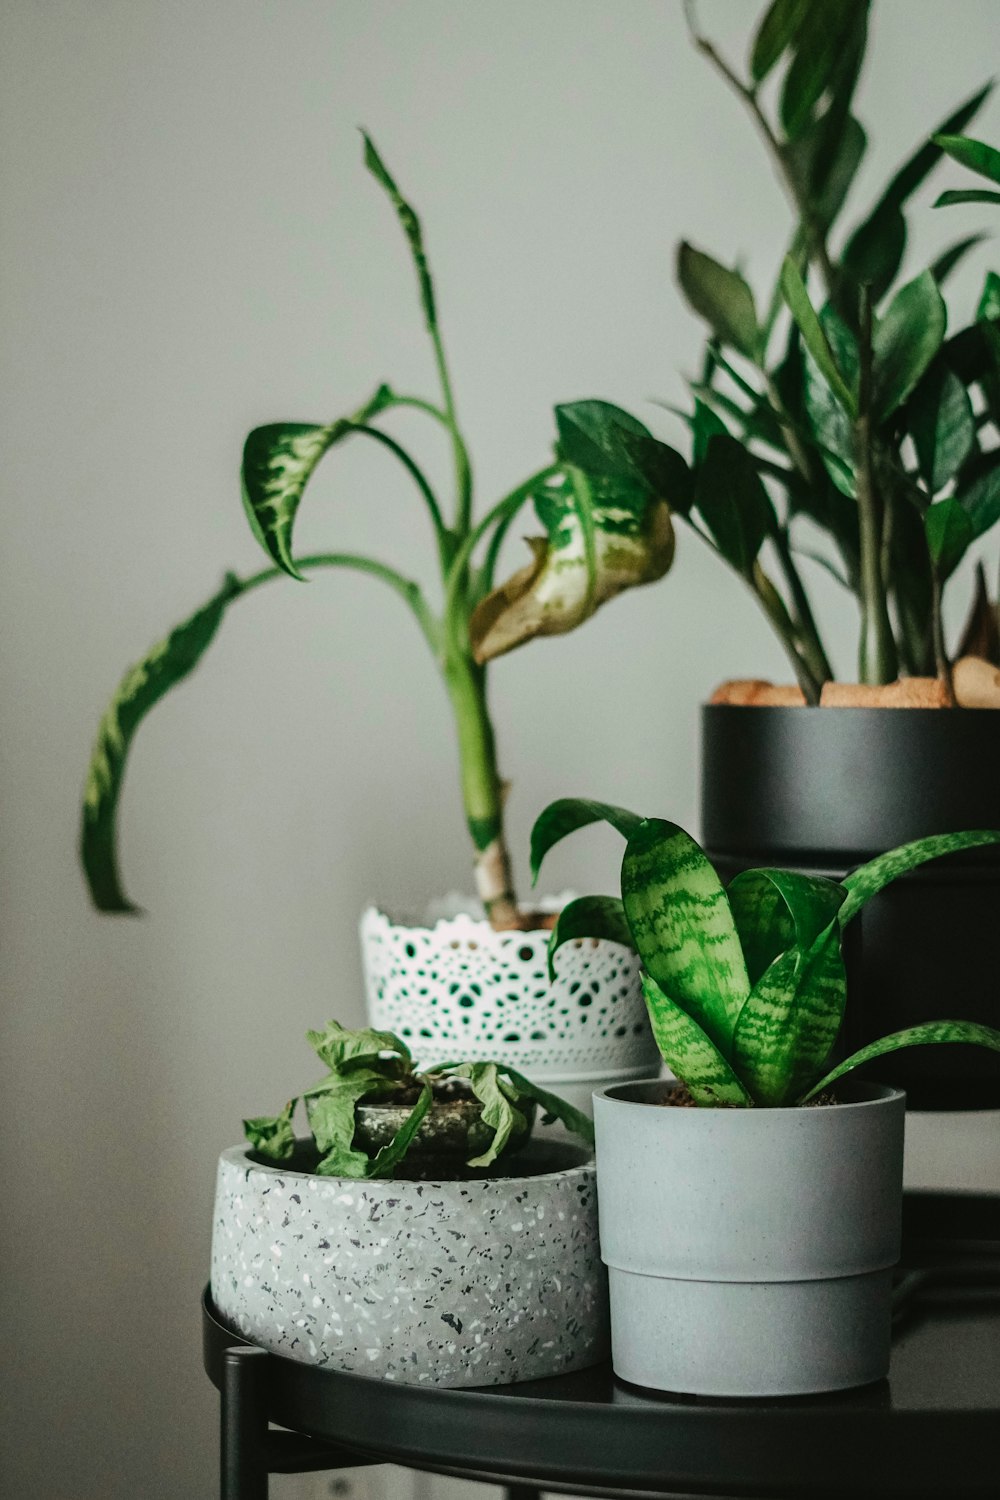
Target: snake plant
pixel 369 1065
pixel 606 527
pixel 745 986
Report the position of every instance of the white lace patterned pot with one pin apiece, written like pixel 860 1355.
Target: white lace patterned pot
pixel 465 1283
pixel 455 990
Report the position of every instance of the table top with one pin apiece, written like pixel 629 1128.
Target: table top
pixel 930 1429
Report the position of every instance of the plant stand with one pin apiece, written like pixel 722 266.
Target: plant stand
pixel 927 1433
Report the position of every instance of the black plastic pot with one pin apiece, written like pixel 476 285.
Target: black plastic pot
pixel 823 790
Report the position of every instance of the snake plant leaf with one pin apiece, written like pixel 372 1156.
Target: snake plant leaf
pixel 905 342
pixel 410 225
pixel 683 927
pixel 141 688
pixel 942 425
pixel 273 1136
pixel 331 1119
pixel 690 1053
pixel 387 1158
pixel 868 879
pixel 566 815
pixel 589 917
pixel 950 534
pixel 733 503
pixel 341 1049
pixel 604 534
pixel 722 298
pixel 807 321
pixel 775 910
pixel 931 1033
pixel 976 155
pixel 553 1108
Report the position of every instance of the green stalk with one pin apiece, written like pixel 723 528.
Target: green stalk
pixel 942 665
pixel 878 659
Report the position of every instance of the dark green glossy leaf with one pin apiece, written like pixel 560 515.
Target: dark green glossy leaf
pixel 142 687
pixel 950 534
pixel 683 927
pixel 980 501
pixel 273 1135
pixel 905 342
pixel 953 196
pixel 932 1033
pixel 830 422
pixel 589 917
pixel 829 38
pixel 946 262
pixel 341 1049
pixel 868 879
pixel 942 425
pixel 553 1107
pixel 976 155
pixel 722 298
pixel 813 336
pixel 705 425
pixel 733 503
pixel 775 34
pixel 981 635
pixel 566 815
pixel 690 1053
pixel 609 443
pixel 775 910
pixel 989 302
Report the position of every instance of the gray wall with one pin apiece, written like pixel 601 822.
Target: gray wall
pixel 191 247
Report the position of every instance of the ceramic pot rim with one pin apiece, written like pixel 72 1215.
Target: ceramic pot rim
pixel 882 1094
pixel 239 1156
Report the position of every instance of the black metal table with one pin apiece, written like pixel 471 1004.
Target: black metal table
pixel 931 1430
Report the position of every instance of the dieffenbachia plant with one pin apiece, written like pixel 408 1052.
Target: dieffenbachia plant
pixel 838 404
pixel 603 507
pixel 371 1066
pixel 745 986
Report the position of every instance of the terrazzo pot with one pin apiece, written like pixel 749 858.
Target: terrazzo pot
pixel 750 1251
pixel 453 987
pixel 461 1283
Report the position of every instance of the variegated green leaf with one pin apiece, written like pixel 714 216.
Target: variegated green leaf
pixel 341 1049
pixel 683 927
pixel 690 1053
pixel 410 225
pixel 142 687
pixel 273 1135
pixel 331 1119
pixel 590 917
pixel 776 909
pixel 931 1033
pixel 867 880
pixel 566 815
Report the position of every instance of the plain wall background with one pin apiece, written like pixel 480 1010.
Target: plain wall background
pixel 191 247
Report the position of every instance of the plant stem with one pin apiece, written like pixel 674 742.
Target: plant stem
pixel 463 469
pixel 942 665
pixel 809 640
pixel 781 622
pixel 878 658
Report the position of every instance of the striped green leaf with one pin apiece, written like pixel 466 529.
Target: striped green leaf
pixel 690 1053
pixel 932 1033
pixel 867 880
pixel 142 687
pixel 683 926
pixel 776 909
pixel 590 917
pixel 566 815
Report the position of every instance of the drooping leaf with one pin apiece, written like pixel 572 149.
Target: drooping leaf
pixel 931 1033
pixel 332 1120
pixel 976 155
pixel 388 1157
pixel 815 340
pixel 942 425
pixel 341 1049
pixel 775 35
pixel 950 534
pixel 589 917
pixel 722 298
pixel 273 1135
pixel 410 225
pixel 566 815
pixel 868 879
pixel 553 1107
pixel 775 910
pixel 500 1112
pixel 733 503
pixel 905 342
pixel 683 926
pixel 142 687
pixel 690 1053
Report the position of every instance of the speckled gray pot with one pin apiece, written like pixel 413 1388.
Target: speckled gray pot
pixel 468 1283
pixel 749 1251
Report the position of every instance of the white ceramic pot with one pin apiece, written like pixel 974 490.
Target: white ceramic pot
pixel 466 1283
pixel 750 1251
pixel 456 990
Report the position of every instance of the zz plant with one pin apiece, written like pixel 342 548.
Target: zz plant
pixel 745 986
pixel 376 1066
pixel 606 526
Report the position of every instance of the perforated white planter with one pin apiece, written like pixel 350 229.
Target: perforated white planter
pixel 455 989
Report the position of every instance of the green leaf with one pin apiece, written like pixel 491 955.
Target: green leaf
pixel 500 1113
pixel 815 340
pixel 609 443
pixel 775 910
pixel 589 917
pixel 273 1136
pixel 141 688
pixel 966 195
pixel 566 815
pixel 976 155
pixel 387 1158
pixel 831 425
pixel 410 226
pixel 942 425
pixel 905 341
pixel 828 35
pixel 733 502
pixel 690 1053
pixel 331 1119
pixel 989 302
pixel 722 298
pixel 980 500
pixel 868 879
pixel 950 534
pixel 775 34
pixel 341 1049
pixel 946 262
pixel 705 425
pixel 969 1033
pixel 553 1107
pixel 683 927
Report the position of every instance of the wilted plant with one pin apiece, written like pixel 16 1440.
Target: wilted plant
pixel 605 529
pixel 376 1067
pixel 745 986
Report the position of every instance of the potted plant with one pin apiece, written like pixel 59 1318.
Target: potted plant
pixel 421 1234
pixel 459 983
pixel 749 1238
